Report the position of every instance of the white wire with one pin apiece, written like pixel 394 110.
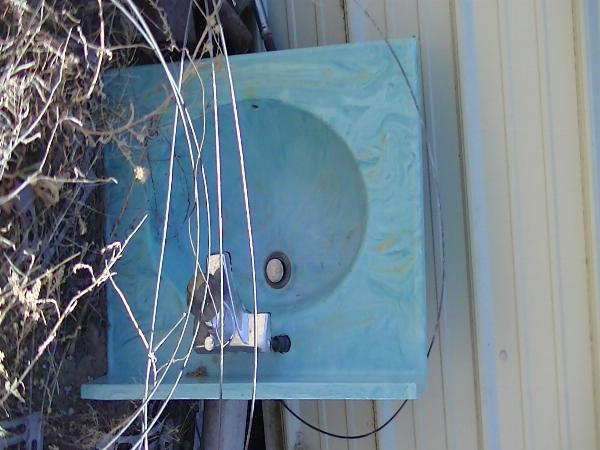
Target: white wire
pixel 171 361
pixel 219 211
pixel 248 230
pixel 166 223
pixel 148 35
pixel 187 120
pixel 161 256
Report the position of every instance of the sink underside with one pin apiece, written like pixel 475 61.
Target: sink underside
pixel 332 151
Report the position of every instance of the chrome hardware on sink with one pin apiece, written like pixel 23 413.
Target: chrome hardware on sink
pixel 238 323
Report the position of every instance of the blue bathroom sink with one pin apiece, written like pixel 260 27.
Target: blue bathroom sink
pixel 332 148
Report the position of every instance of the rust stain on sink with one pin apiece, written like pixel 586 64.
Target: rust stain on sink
pixel 387 244
pixel 250 93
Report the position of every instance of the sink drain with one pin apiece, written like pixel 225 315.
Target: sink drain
pixel 278 270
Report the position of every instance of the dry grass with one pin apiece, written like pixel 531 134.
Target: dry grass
pixel 52 126
pixel 50 84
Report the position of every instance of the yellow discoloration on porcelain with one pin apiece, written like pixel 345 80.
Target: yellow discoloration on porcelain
pixel 387 244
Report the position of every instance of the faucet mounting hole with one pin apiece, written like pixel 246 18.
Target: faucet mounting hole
pixel 278 270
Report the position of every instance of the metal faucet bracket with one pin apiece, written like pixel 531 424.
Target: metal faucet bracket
pixel 205 292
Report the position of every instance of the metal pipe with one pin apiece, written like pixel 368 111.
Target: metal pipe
pixel 271 410
pixel 233 426
pixel 263 25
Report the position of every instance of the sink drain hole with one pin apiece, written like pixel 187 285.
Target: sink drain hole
pixel 278 270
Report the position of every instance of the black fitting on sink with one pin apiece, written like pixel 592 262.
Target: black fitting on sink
pixel 281 343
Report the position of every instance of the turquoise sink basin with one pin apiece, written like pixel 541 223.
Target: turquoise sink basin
pixel 333 157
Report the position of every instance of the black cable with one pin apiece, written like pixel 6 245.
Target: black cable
pixel 355 436
pixel 341 436
pixel 380 427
